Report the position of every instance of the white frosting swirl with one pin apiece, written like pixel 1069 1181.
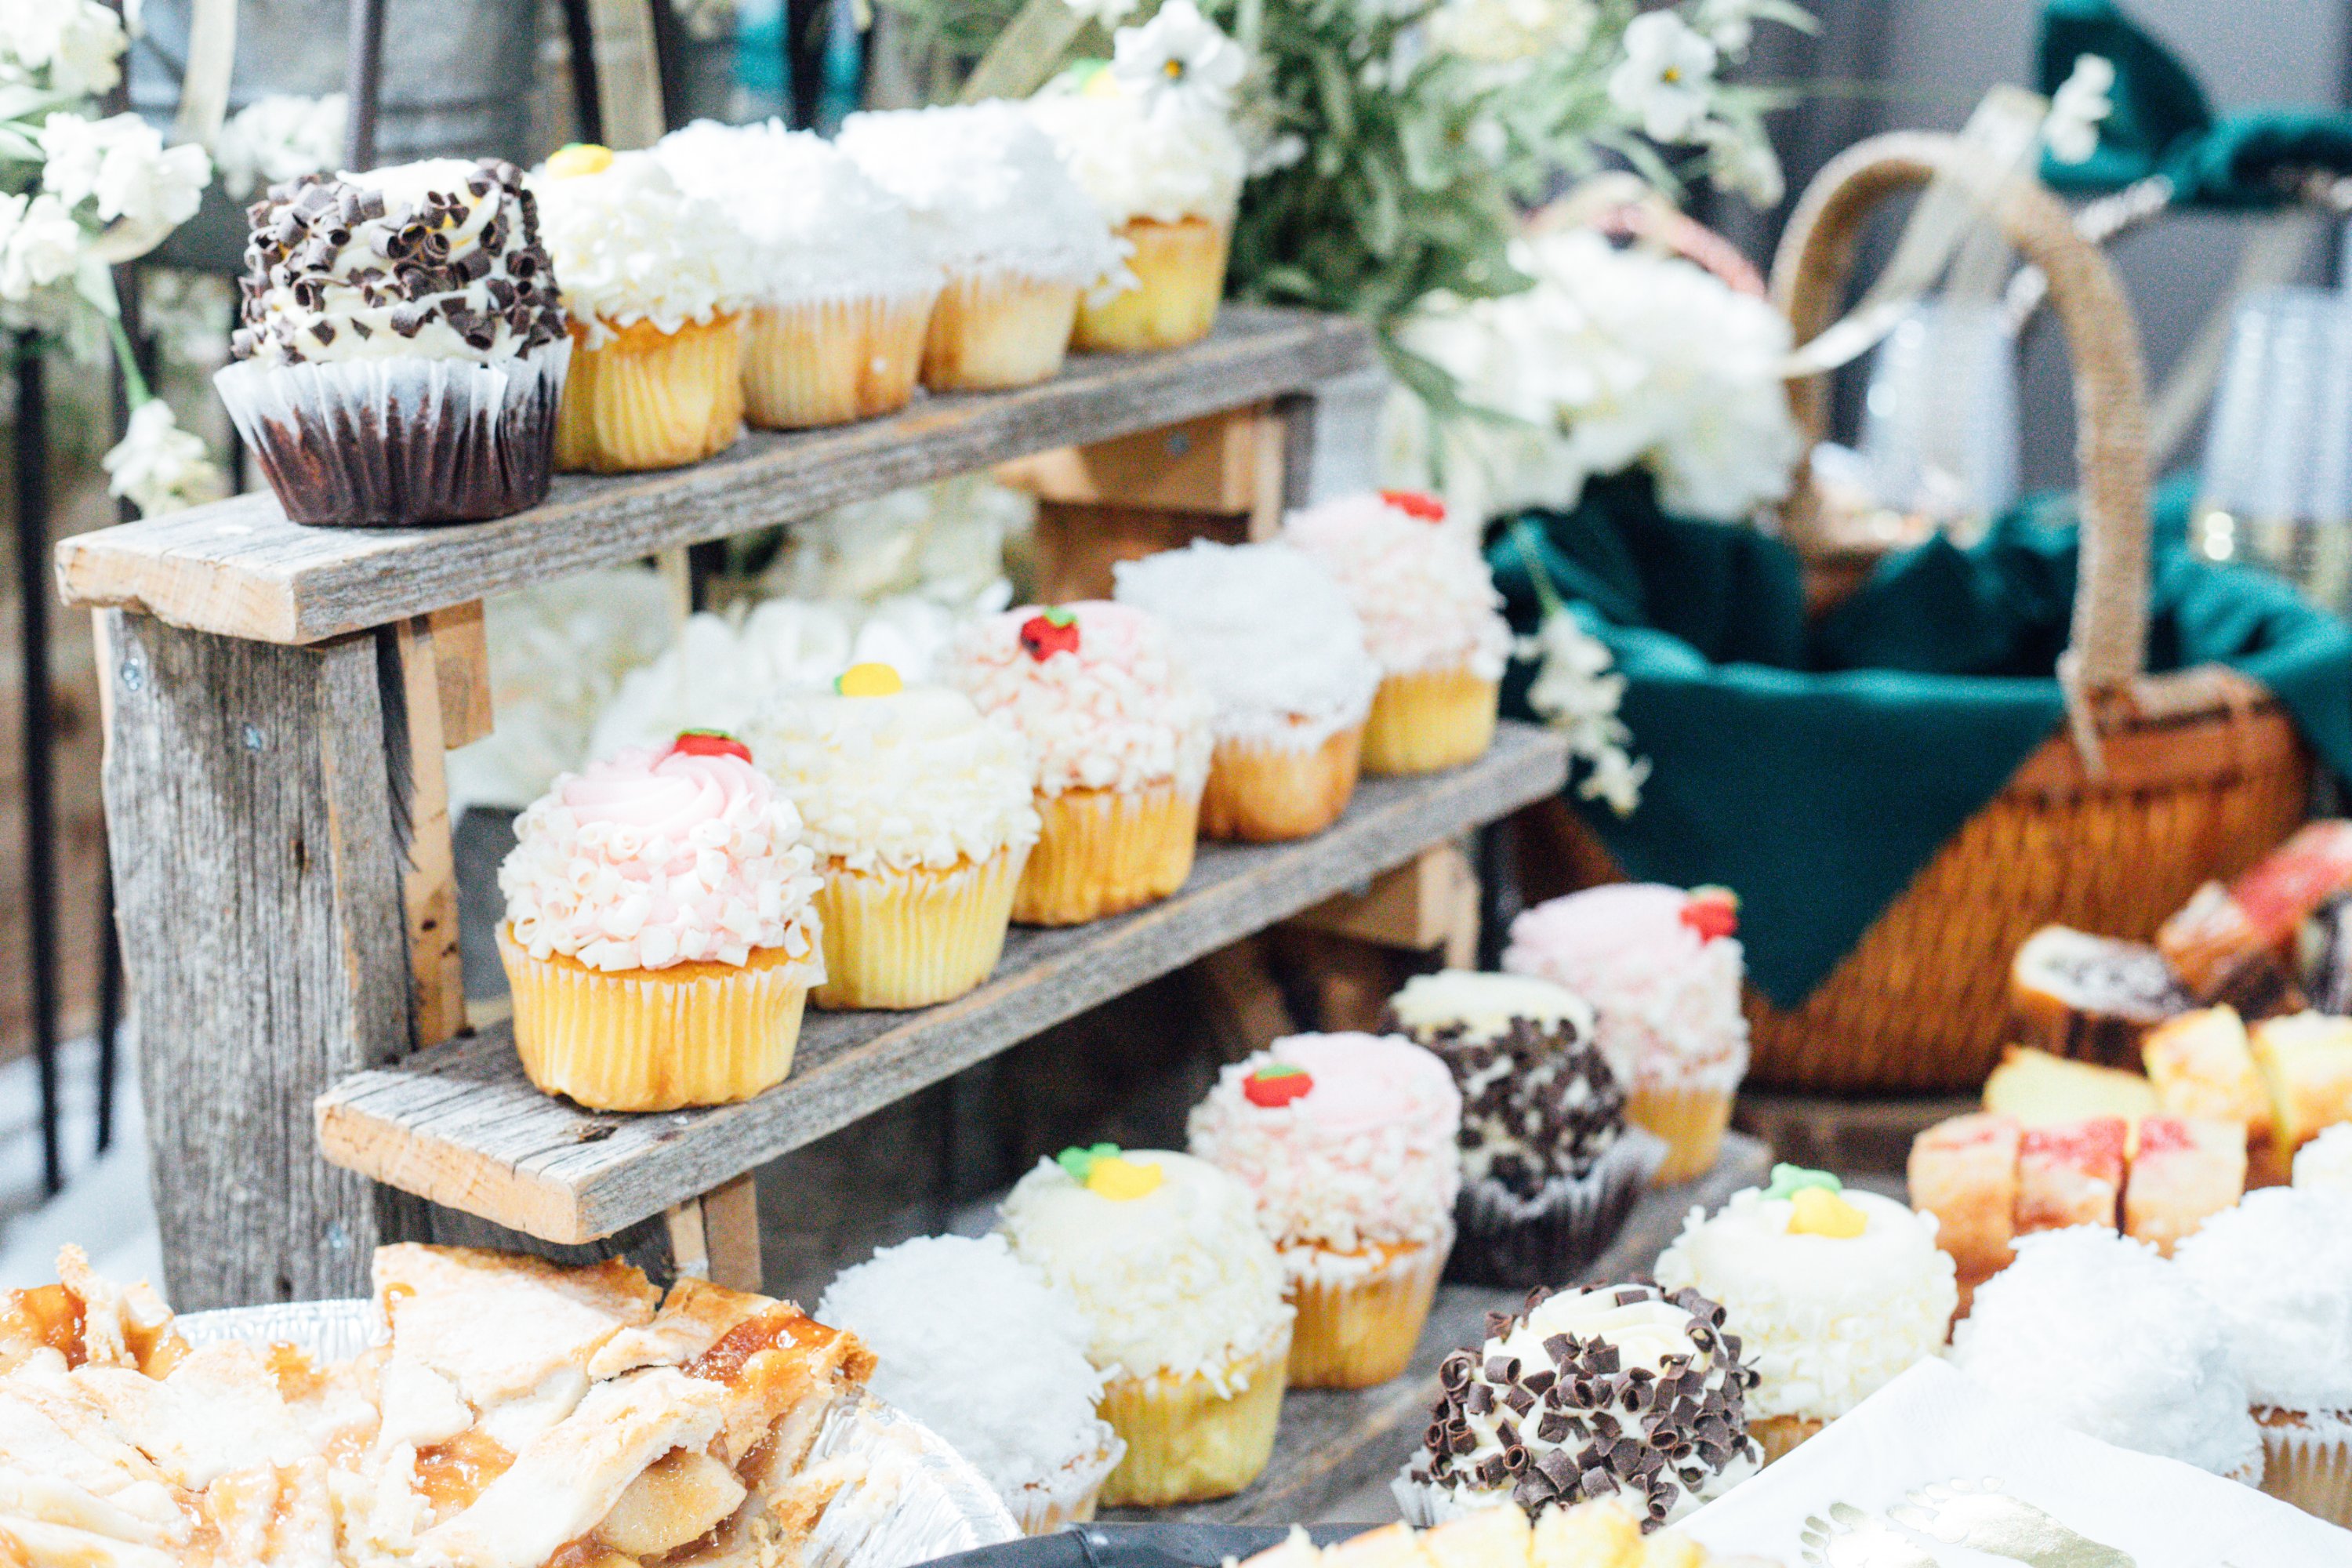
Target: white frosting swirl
pixel 1484 1004
pixel 987 191
pixel 1363 1158
pixel 2326 1160
pixel 2278 1269
pixel 917 780
pixel 631 247
pixel 1166 167
pixel 1825 1320
pixel 1118 713
pixel 651 858
pixel 1177 1282
pixel 1267 632
pixel 1427 600
pixel 819 228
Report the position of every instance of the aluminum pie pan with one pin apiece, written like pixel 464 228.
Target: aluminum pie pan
pixel 917 1499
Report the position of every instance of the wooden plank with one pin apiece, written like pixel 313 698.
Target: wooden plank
pixel 1337 1442
pixel 1077 544
pixel 257 881
pixel 461 664
pixel 730 1230
pixel 241 569
pixel 1209 463
pixel 460 1125
pixel 429 885
pixel 1845 1135
pixel 689 1239
pixel 1418 906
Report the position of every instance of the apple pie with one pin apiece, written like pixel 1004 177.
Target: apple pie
pixel 518 1415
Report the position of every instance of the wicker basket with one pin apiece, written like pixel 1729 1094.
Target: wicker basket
pixel 2166 781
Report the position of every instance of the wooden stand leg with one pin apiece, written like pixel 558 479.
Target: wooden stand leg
pixel 260 893
pixel 716 1236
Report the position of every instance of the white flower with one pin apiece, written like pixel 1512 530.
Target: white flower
pixel 1109 13
pixel 1505 32
pixel 78 42
pixel 278 137
pixel 2081 102
pixel 1179 61
pixel 160 466
pixel 1663 79
pixel 1729 25
pixel 1742 161
pixel 1575 692
pixel 39 243
pixel 123 163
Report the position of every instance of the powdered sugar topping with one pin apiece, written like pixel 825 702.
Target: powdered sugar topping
pixel 2278 1269
pixel 1427 600
pixel 1135 163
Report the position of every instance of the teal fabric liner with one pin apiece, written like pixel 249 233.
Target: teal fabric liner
pixel 1814 769
pixel 2163 122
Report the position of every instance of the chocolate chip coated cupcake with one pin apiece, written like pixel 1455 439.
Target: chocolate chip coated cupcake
pixel 403 348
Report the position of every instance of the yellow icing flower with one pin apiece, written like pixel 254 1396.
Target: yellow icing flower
pixel 1817 1211
pixel 870 679
pixel 579 158
pixel 1122 1179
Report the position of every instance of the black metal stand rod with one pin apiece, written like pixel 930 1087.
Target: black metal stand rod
pixel 363 82
pixel 587 96
pixel 32 455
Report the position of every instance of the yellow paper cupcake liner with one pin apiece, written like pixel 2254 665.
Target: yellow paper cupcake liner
pixel 1355 1330
pixel 828 362
pixel 1185 1441
pixel 1179 268
pixel 992 331
pixel 911 938
pixel 655 1040
pixel 1691 1121
pixel 2307 1461
pixel 651 399
pixel 1430 721
pixel 1104 852
pixel 1263 791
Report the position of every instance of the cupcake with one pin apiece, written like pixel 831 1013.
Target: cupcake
pixel 844 290
pixel 657 282
pixel 1019 240
pixel 1623 1391
pixel 2278 1270
pixel 1183 1295
pixel 1832 1292
pixel 662 933
pixel 1119 737
pixel 1280 651
pixel 1432 616
pixel 2326 1162
pixel 976 1345
pixel 1548 1168
pixel 1663 972
pixel 918 811
pixel 1162 163
pixel 2097 1331
pixel 401 349
pixel 1346 1142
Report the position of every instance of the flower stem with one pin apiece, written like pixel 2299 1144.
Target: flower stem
pixel 1530 549
pixel 134 385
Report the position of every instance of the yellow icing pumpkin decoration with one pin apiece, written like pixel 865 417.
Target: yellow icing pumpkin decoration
pixel 579 158
pixel 869 679
pixel 1121 1180
pixel 1817 1211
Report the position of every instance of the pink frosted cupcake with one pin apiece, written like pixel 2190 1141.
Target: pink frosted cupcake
pixel 1120 735
pixel 1345 1142
pixel 661 933
pixel 1663 972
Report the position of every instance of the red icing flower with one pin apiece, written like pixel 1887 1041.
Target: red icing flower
pixel 1051 632
pixel 1277 1085
pixel 709 743
pixel 1416 504
pixel 1712 912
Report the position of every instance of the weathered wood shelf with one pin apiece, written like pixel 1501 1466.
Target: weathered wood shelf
pixel 241 569
pixel 460 1125
pixel 1335 1444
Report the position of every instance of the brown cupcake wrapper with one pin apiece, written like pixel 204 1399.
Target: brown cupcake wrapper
pixel 392 443
pixel 1508 1240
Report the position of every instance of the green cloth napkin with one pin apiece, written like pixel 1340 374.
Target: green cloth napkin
pixel 1814 769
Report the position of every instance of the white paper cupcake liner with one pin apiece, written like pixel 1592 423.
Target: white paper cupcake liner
pixel 1426 1505
pixel 398 441
pixel 1067 1496
pixel 1522 1242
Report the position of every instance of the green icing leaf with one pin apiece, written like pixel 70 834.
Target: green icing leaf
pixel 1080 1163
pixel 1788 1181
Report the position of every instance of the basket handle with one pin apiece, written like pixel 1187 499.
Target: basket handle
pixel 2109 637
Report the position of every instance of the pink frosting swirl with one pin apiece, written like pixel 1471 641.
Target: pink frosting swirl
pixel 1427 600
pixel 654 858
pixel 1366 1156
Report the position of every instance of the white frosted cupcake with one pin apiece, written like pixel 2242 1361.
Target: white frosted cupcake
pixel 2278 1269
pixel 657 282
pixel 1281 653
pixel 845 289
pixel 1119 736
pixel 1019 240
pixel 2099 1332
pixel 1432 616
pixel 1831 1293
pixel 1182 1293
pixel 918 811
pixel 402 348
pixel 1166 169
pixel 1346 1142
pixel 978 1346
pixel 1662 971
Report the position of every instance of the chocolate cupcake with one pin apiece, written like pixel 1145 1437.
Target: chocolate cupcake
pixel 1549 1167
pixel 403 348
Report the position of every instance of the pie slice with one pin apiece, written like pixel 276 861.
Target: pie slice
pixel 498 1324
